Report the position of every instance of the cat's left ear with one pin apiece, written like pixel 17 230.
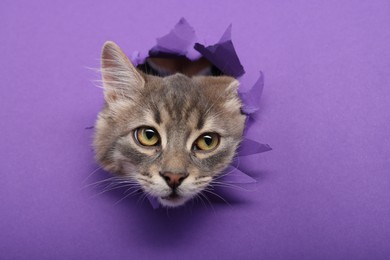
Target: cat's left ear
pixel 232 86
pixel 228 84
pixel 120 78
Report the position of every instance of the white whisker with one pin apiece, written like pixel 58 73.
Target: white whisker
pixel 89 175
pixel 127 195
pixel 215 194
pixel 207 199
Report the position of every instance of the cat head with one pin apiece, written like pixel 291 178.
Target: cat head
pixel 171 135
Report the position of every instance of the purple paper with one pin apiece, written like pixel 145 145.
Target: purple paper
pixel 234 175
pixel 322 193
pixel 249 147
pixel 153 201
pixel 178 41
pixel 251 99
pixel 223 55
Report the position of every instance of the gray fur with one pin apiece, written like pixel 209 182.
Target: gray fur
pixel 180 108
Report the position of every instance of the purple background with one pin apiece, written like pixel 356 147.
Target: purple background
pixel 322 193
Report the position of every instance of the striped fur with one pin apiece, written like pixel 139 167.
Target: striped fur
pixel 180 108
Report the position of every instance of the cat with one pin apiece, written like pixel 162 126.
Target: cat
pixel 170 135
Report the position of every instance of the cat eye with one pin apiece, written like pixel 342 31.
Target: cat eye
pixel 206 142
pixel 147 136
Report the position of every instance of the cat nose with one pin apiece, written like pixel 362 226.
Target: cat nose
pixel 173 179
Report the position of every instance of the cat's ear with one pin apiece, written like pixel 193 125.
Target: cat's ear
pixel 232 85
pixel 120 78
pixel 228 85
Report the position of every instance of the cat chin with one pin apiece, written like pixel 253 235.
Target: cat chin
pixel 172 203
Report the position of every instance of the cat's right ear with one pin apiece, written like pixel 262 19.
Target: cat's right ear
pixel 120 78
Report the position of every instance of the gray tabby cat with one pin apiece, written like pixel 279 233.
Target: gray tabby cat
pixel 171 135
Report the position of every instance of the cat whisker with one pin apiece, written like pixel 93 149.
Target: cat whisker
pixel 97 183
pixel 94 82
pixel 229 185
pixel 125 180
pixel 117 185
pixel 89 175
pixel 97 84
pixel 136 188
pixel 213 103
pixel 112 188
pixel 113 183
pixel 128 195
pixel 120 183
pixel 198 198
pixel 94 69
pixel 141 198
pixel 198 188
pixel 223 174
pixel 208 200
pixel 145 198
pixel 217 195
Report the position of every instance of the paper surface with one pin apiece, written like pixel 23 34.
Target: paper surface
pixel 223 55
pixel 322 193
pixel 251 98
pixel 178 41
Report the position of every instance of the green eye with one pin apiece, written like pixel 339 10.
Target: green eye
pixel 147 136
pixel 207 142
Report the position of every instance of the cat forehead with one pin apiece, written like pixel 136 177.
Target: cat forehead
pixel 178 94
pixel 181 102
pixel 179 88
pixel 178 79
pixel 180 84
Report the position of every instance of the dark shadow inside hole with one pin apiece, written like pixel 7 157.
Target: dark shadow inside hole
pixel 165 65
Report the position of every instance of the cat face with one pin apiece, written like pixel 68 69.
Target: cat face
pixel 172 135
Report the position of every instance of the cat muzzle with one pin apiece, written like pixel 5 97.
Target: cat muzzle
pixel 173 196
pixel 173 179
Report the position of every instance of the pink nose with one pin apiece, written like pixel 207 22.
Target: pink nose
pixel 173 179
